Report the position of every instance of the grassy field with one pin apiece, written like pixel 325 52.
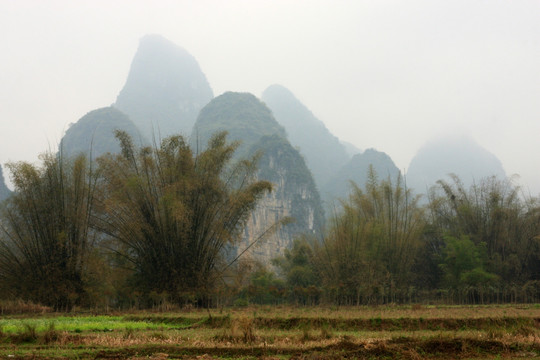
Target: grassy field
pixel 387 332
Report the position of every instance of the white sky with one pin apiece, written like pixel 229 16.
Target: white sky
pixel 385 74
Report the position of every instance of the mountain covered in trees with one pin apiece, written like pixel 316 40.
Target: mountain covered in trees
pixel 4 191
pixel 93 134
pixel 357 170
pixel 248 120
pixel 165 89
pixel 458 155
pixel 324 153
pixel 242 115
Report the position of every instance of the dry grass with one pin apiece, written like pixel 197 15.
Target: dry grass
pixel 11 307
pixel 254 333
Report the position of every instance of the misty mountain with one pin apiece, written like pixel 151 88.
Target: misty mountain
pixel 242 115
pixel 458 155
pixel 357 170
pixel 351 149
pixel 95 131
pixel 165 89
pixel 250 121
pixel 323 151
pixel 4 191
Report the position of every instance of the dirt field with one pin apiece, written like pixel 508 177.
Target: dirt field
pixel 390 332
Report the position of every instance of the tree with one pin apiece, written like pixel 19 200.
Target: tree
pixel 297 267
pixel 173 213
pixel 493 214
pixel 264 287
pixel 371 245
pixel 463 267
pixel 46 237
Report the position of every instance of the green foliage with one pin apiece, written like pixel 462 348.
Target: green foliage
pixel 297 267
pixel 264 288
pixel 463 264
pixel 173 213
pixel 45 227
pixel 495 217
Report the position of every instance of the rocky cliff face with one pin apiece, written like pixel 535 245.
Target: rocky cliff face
pixel 323 151
pixel 458 155
pixel 4 191
pixel 248 120
pixel 94 133
pixel 165 89
pixel 294 195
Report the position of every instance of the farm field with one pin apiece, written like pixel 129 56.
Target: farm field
pixel 275 332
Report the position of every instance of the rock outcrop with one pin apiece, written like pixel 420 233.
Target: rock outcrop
pixel 248 120
pixel 93 134
pixel 165 89
pixel 324 153
pixel 294 196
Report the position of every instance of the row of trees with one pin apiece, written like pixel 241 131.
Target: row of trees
pixel 156 224
pixel 474 245
pixel 159 218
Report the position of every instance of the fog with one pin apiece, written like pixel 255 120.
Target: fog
pixel 385 74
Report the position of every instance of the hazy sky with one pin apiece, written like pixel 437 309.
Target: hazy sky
pixel 385 74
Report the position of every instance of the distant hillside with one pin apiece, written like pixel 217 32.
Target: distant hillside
pixel 244 116
pixel 248 120
pixel 323 151
pixel 357 170
pixel 165 89
pixel 95 131
pixel 4 191
pixel 351 148
pixel 458 155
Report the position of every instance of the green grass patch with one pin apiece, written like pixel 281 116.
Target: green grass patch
pixel 78 324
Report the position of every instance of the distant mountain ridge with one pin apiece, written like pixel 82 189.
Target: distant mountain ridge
pixel 166 93
pixel 165 89
pixel 459 155
pixel 324 153
pixel 357 170
pixel 95 132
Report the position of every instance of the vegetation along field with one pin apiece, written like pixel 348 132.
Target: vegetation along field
pixel 279 332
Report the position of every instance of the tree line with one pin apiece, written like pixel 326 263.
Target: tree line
pixel 157 224
pixel 463 246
